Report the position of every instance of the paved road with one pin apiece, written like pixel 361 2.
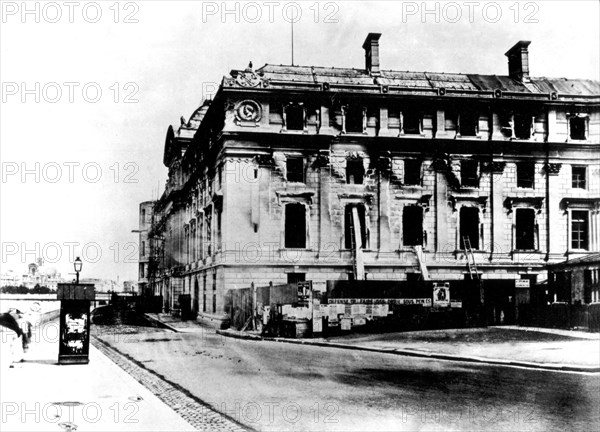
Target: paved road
pixel 272 386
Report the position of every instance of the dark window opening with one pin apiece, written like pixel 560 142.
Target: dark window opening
pixel 204 293
pixel 577 128
pixel 355 171
pixel 143 248
pixel 579 229
pixel 295 169
pixel 469 124
pixel 563 287
pixel 469 226
pixel 354 119
pixel 587 286
pixel 468 173
pixel 523 124
pixel 412 172
pixel 412 226
pixel 350 226
pixel 294 117
pixel 578 175
pixel 411 122
pixel 293 278
pixel 295 226
pixel 525 174
pixel 525 229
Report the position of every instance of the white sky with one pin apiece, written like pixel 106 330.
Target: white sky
pixel 168 55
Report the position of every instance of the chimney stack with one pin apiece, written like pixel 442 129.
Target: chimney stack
pixel 518 61
pixel 371 47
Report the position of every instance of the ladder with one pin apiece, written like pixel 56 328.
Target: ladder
pixel 358 265
pixel 419 253
pixel 471 265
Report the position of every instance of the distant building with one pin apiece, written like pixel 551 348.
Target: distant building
pixel 330 174
pixel 145 223
pixel 130 287
pixel 37 274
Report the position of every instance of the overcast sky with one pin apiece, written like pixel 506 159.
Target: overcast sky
pixel 98 156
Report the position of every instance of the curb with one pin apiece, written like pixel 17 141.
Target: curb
pixel 420 354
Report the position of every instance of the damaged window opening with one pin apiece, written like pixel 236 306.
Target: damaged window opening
pixel 525 174
pixel 523 124
pixel 578 177
pixel 295 226
pixel 293 278
pixel 354 119
pixel 579 229
pixel 525 229
pixel 469 124
pixel 469 226
pixel 411 122
pixel 294 117
pixel 295 169
pixel 355 171
pixel 412 172
pixel 577 128
pixel 468 173
pixel 412 226
pixel 349 226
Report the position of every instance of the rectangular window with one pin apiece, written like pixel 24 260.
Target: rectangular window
pixel 295 169
pixel 354 119
pixel 355 171
pixel 525 174
pixel 350 226
pixel 587 286
pixel 295 226
pixel 143 248
pixel 525 229
pixel 411 122
pixel 294 117
pixel 412 226
pixel 412 172
pixel 468 124
pixel 204 293
pixel 578 177
pixel 214 299
pixel 577 128
pixel 579 229
pixel 523 125
pixel 468 173
pixel 469 226
pixel 293 278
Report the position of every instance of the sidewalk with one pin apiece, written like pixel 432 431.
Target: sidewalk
pixel 547 349
pixel 40 395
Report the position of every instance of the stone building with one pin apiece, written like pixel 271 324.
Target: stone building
pixel 145 222
pixel 298 173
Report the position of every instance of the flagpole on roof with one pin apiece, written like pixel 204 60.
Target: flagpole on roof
pixel 292 41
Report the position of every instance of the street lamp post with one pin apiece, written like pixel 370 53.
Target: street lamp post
pixel 77 265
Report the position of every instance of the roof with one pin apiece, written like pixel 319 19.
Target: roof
pixel 276 74
pixel 593 258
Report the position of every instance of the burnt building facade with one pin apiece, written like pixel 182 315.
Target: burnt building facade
pixel 298 173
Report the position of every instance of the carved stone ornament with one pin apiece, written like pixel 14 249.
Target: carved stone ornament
pixel 552 168
pixel 248 111
pixel 247 79
pixel 264 160
pixel 493 167
pixel 321 160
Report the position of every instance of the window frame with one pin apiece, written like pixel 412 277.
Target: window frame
pixel 463 164
pixel 534 239
pixel 420 235
pixel 302 173
pixel 359 163
pixel 523 179
pixel 418 166
pixel 290 245
pixel 584 118
pixel 585 223
pixel 579 180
